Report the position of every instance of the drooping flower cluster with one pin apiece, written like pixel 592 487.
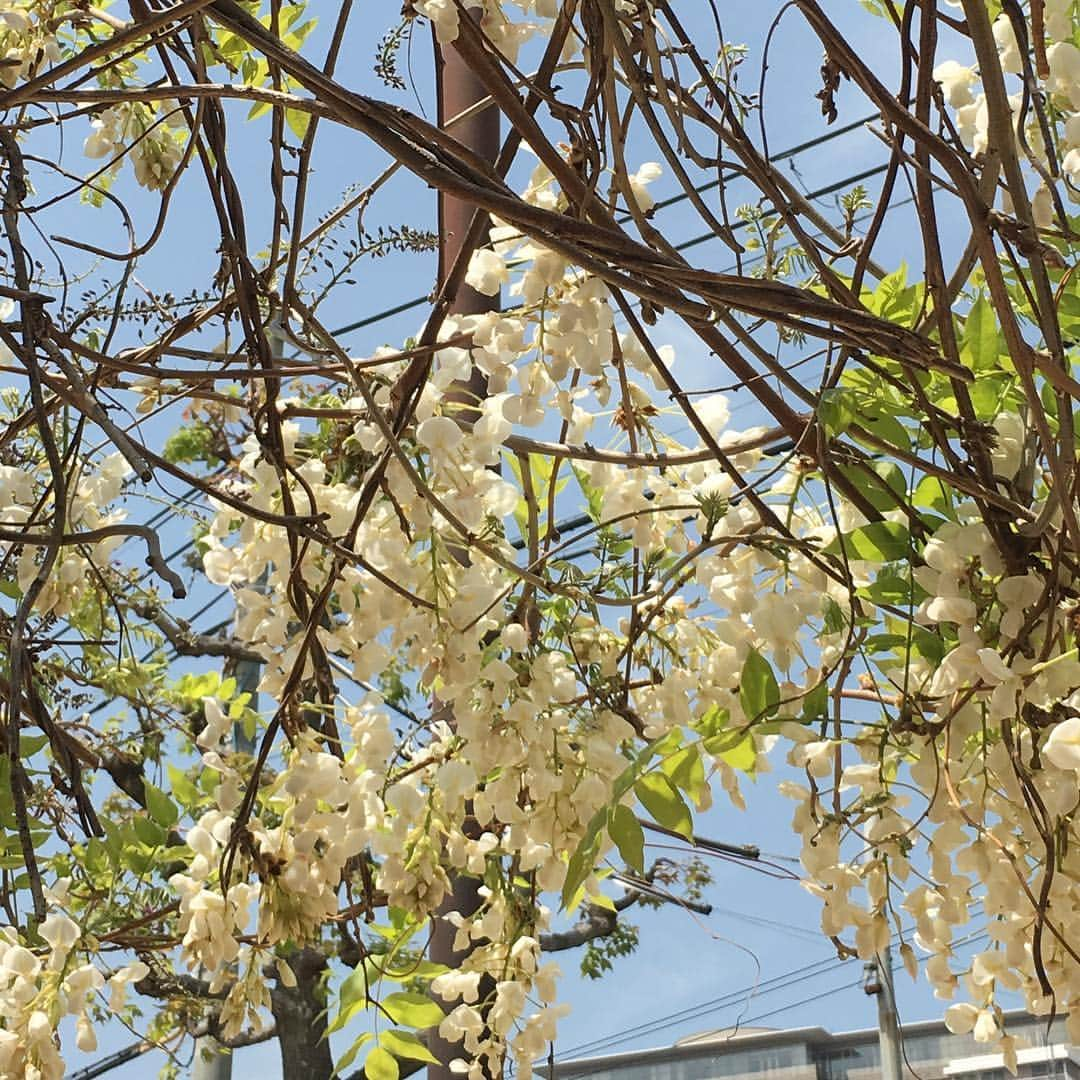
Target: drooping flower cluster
pixel 151 139
pixel 960 87
pixel 92 506
pixel 710 602
pixel 28 39
pixel 38 988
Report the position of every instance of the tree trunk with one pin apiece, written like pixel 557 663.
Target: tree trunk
pixel 300 1012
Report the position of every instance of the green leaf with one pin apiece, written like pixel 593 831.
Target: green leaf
pixel 741 755
pixel 833 616
pixel 878 643
pixel 602 901
pixel 229 46
pixel 880 541
pixel 379 1065
pixel 422 969
pixel 815 704
pixel 837 410
pixel 990 393
pixel 97 856
pixel 160 807
pixel 686 771
pixel 149 832
pixel 404 1044
pixel 184 791
pixel 114 840
pixel 296 38
pixel 665 805
pixel 298 122
pixel 593 497
pixel 400 930
pixel 880 483
pixel 713 721
pixel 886 428
pixel 981 341
pixel 886 289
pixel 412 1010
pixel 349 1056
pixel 584 857
pixel 927 645
pixel 759 694
pixel 521 511
pixel 29 745
pixel 930 494
pixel 894 299
pixel 352 998
pixel 894 589
pixel 629 838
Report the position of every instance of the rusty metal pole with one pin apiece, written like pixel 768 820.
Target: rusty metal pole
pixel 458 89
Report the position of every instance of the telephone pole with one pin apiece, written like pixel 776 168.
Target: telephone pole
pixel 458 89
pixel 878 981
pixel 212 1060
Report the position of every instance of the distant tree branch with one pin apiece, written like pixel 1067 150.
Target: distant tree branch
pixel 188 643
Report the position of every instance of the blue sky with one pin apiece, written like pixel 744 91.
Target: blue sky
pixel 762 928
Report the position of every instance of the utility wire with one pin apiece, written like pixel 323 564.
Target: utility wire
pixel 568 525
pixel 784 155
pixel 663 204
pixel 971 939
pixel 581 520
pixel 829 189
pixel 780 982
pixel 398 309
pixel 129 1053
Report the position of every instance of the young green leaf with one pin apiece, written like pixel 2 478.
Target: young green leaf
pixel 686 771
pixel 161 808
pixel 664 803
pixel 349 1056
pixel 404 1044
pixel 880 541
pixel 379 1065
pixel 412 1010
pixel 837 410
pixel 759 693
pixel 624 829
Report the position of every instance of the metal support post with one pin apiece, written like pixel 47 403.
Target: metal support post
pixel 878 981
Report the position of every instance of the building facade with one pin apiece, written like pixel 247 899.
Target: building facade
pixel 931 1052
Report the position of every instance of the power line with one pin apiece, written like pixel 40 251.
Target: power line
pixel 829 189
pixel 770 924
pixel 580 520
pixel 971 939
pixel 408 305
pixel 784 155
pixel 779 982
pixel 651 1027
pixel 663 204
pixel 693 241
pixel 129 1053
